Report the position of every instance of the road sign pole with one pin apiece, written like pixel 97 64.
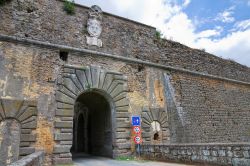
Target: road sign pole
pixel 139 150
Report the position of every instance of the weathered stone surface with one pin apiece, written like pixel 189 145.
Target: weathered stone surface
pixel 122 124
pixel 26 151
pixel 246 154
pixel 64 124
pixel 62 149
pixel 30 125
pixel 240 162
pixel 123 145
pixel 36 159
pixel 26 131
pixel 64 106
pixel 66 130
pixel 11 107
pixel 122 135
pixel 58 161
pixel 64 112
pixel 198 108
pixel 28 137
pixel 31 111
pixel 66 142
pixel 122 115
pixel 25 144
pixel 63 136
pixel 64 98
pixel 65 155
pixel 210 153
pixel 67 119
pixel 9 141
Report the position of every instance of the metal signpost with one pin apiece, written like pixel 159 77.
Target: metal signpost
pixel 136 123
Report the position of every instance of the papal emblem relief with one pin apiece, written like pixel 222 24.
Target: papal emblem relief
pixel 94 26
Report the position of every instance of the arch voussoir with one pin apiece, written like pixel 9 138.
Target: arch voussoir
pixel 78 80
pixel 23 115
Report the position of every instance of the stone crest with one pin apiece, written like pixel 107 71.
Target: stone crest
pixel 94 26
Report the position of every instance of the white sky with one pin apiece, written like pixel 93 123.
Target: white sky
pixel 174 23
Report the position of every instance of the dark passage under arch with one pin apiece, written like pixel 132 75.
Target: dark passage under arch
pixel 92 131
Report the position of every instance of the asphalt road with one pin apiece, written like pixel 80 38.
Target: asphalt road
pixel 101 161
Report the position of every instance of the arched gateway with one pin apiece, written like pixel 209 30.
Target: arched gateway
pixel 92 113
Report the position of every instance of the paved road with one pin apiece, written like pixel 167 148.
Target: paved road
pixel 101 161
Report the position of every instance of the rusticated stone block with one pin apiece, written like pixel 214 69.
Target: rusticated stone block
pixel 66 142
pixel 65 112
pixel 30 125
pixel 67 130
pixel 65 155
pixel 28 137
pixel 26 151
pixel 25 144
pixel 26 131
pixel 62 149
pixel 63 136
pixel 64 124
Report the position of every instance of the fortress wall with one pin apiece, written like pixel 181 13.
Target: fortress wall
pixel 46 21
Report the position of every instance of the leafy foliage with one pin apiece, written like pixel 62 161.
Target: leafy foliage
pixel 69 7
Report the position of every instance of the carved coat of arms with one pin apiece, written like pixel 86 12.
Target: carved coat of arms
pixel 94 26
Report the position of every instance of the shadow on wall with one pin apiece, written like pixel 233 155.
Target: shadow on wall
pixel 175 113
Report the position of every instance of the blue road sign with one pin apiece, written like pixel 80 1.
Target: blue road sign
pixel 136 121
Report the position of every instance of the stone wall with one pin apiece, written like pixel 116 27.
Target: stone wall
pixel 34 159
pixel 46 21
pixel 216 154
pixel 29 73
pixel 18 121
pixel 149 89
pixel 179 106
pixel 203 110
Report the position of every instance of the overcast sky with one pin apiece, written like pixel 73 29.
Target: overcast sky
pixel 221 27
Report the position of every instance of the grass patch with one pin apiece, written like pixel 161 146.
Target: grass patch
pixel 132 158
pixel 125 158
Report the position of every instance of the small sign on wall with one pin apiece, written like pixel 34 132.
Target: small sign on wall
pixel 136 130
pixel 136 121
pixel 137 139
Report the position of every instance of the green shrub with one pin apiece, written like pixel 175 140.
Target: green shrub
pixel 69 7
pixel 158 34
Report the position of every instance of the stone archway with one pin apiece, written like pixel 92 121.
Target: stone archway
pixel 77 81
pixel 18 119
pixel 92 131
pixel 155 127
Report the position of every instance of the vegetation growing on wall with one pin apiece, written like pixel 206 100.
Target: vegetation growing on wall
pixel 69 7
pixel 158 34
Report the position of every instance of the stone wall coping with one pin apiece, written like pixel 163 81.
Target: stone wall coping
pixel 28 160
pixel 203 144
pixel 15 39
pixel 113 15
